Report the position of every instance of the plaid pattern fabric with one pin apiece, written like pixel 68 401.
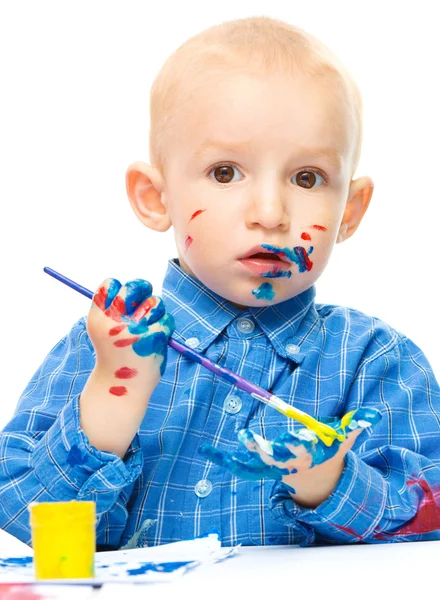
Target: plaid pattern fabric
pixel 326 360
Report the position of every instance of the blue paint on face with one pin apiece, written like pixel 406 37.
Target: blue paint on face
pixel 264 292
pixel 75 457
pixel 298 255
pixel 167 567
pixel 287 274
pixel 310 250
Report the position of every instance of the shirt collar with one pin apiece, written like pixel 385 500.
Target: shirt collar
pixel 291 326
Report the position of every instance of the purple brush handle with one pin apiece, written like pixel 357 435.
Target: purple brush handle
pixel 222 372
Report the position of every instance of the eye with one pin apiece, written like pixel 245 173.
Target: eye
pixel 307 178
pixel 223 173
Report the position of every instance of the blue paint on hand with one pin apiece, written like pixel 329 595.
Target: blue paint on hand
pixel 263 459
pixel 138 290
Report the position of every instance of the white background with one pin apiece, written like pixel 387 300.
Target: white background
pixel 75 79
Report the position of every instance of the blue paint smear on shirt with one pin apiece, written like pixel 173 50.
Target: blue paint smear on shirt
pixel 76 457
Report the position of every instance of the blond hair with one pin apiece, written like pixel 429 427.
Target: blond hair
pixel 255 46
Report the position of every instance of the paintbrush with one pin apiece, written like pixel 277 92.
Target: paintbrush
pixel 326 433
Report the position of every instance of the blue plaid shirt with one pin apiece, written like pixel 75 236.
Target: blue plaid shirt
pixel 326 360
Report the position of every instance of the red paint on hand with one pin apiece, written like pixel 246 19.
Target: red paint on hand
pixel 125 342
pixel 125 373
pixel 117 329
pixel 144 308
pixel 118 390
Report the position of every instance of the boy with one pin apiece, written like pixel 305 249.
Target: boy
pixel 255 137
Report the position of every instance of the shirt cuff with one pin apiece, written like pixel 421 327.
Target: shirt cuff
pixel 70 468
pixel 350 514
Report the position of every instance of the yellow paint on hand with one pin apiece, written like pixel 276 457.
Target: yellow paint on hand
pixel 324 432
pixel 63 539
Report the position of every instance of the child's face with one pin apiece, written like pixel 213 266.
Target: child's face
pixel 244 178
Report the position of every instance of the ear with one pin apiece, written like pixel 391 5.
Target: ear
pixel 359 198
pixel 145 190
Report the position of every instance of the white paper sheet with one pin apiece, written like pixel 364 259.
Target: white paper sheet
pixel 158 563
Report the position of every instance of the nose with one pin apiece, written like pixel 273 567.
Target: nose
pixel 267 208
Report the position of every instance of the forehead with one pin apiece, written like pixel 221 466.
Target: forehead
pixel 267 114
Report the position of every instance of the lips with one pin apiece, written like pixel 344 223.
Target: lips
pixel 257 252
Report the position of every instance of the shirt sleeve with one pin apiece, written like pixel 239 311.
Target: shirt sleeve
pixel 389 489
pixel 45 455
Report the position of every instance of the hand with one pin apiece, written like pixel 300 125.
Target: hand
pixel 300 460
pixel 129 330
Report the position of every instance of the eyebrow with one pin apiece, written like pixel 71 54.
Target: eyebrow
pixel 331 155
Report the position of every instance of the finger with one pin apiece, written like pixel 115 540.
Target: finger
pixel 363 418
pixel 150 311
pixel 138 290
pixel 106 292
pixel 254 442
pixel 251 471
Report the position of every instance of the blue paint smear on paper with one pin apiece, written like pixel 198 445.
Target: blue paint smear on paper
pixel 264 292
pixel 167 567
pixel 20 561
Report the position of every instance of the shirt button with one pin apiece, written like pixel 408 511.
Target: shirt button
pixel 245 325
pixel 192 342
pixel 292 349
pixel 203 488
pixel 232 405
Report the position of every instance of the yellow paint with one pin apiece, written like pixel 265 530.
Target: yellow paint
pixel 63 539
pixel 324 432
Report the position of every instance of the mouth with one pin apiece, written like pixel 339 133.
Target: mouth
pixel 263 262
pixel 259 255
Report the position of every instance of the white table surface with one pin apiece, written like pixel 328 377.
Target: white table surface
pixel 390 571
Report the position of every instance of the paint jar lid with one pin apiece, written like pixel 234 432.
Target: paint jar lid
pixel 57 513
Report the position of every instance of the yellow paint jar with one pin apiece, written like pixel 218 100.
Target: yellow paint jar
pixel 63 539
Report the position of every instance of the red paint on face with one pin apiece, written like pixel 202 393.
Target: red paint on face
pixel 319 227
pixel 117 329
pixel 125 373
pixel 118 390
pixel 125 342
pixel 197 213
pixel 188 242
pixel 305 236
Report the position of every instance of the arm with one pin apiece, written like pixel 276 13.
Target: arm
pixel 44 454
pixel 389 489
pixel 45 451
